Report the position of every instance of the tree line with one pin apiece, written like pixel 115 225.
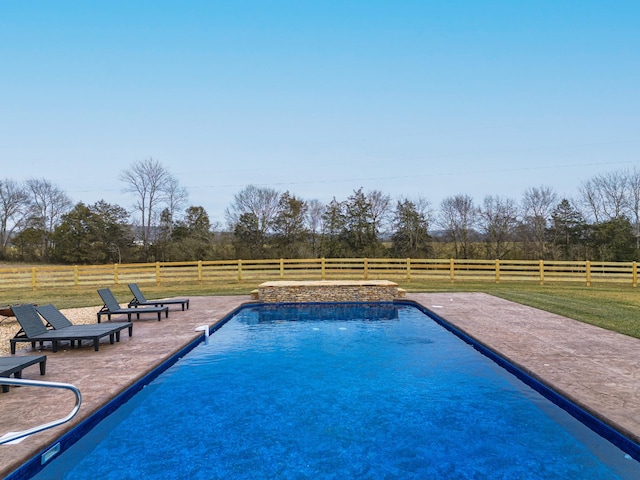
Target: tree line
pixel 39 223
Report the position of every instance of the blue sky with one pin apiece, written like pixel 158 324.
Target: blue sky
pixel 413 98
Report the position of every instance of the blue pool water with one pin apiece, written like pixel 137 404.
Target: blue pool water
pixel 359 391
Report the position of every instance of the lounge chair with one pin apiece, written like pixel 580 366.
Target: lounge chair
pixel 14 366
pixel 56 319
pixel 140 300
pixel 33 330
pixel 112 307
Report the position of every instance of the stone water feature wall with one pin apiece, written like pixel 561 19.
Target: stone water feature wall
pixel 328 291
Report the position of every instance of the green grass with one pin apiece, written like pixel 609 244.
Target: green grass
pixel 614 307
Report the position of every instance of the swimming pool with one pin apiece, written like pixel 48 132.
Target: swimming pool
pixel 339 391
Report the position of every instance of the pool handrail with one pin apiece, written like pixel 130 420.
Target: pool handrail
pixel 12 436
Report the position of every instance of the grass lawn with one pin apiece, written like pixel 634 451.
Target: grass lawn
pixel 610 306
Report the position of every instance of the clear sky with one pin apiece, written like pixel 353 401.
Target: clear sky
pixel 413 98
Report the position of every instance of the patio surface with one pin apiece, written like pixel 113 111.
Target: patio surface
pixel 595 368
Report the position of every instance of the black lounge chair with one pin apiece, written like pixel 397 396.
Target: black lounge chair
pixel 112 307
pixel 56 319
pixel 140 300
pixel 33 330
pixel 14 366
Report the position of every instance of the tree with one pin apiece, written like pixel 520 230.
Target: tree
pixel 498 220
pixel 248 240
pixel 333 243
pixel 290 233
pixel 262 203
pixel 379 205
pixel 151 183
pixel 633 185
pixel 458 216
pixel 93 234
pixel 191 237
pixel 47 205
pixel 14 208
pixel 175 197
pixel 567 231
pixel 612 241
pixel 537 206
pixel 313 218
pixel 410 236
pixel 360 233
pixel 606 196
pixel 28 242
pixel 114 230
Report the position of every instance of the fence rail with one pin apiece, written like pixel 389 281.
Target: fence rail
pixel 402 269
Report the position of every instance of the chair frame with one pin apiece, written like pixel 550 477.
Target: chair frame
pixel 140 300
pixel 56 320
pixel 14 366
pixel 33 330
pixel 112 307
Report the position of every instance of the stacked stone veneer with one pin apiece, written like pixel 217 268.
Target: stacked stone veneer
pixel 328 291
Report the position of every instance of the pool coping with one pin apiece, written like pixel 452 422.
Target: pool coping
pixel 471 314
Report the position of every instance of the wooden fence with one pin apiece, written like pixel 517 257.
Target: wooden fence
pixel 401 269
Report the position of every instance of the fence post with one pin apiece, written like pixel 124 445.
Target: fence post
pixel 322 268
pixel 408 269
pixel 200 272
pixel 541 272
pixel 76 280
pixel 451 269
pixel 366 268
pixel 282 268
pixel 634 274
pixel 157 273
pixel 116 272
pixel 34 282
pixel 588 272
pixel 497 271
pixel 239 271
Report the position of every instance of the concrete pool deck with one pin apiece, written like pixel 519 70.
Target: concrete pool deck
pixel 595 368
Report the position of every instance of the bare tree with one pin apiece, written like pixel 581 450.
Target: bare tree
pixel 175 197
pixel 150 182
pixel 537 206
pixel 606 196
pixel 633 201
pixel 499 219
pixel 380 205
pixel 262 202
pixel 14 208
pixel 47 205
pixel 458 216
pixel 315 210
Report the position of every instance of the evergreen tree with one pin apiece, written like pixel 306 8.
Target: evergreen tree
pixel 410 236
pixel 567 231
pixel 289 229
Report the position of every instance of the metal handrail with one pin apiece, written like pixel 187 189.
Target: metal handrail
pixel 11 436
